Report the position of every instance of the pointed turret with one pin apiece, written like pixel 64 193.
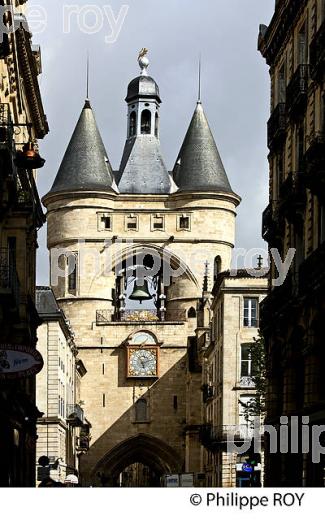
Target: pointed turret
pixel 199 166
pixel 142 168
pixel 85 165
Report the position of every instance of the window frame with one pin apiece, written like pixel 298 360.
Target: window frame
pixel 132 216
pixel 179 218
pixel 102 215
pixel 249 317
pixel 157 216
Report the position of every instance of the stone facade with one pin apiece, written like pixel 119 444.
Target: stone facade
pixel 292 316
pixel 62 430
pixel 105 229
pixel 227 373
pixel 22 120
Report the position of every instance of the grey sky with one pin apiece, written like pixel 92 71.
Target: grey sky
pixel 235 87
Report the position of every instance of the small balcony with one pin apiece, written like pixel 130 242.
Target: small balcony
pixel 292 198
pixel 214 437
pixel 107 316
pixel 297 90
pixel 4 45
pixel 276 126
pixel 315 165
pixel 312 273
pixel 9 283
pixel 271 226
pixel 208 392
pixel 278 303
pixel 75 415
pixel 317 54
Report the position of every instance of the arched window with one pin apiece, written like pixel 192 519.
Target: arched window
pixel 141 410
pixel 217 267
pixel 133 123
pixel 146 122
pixel 191 313
pixel 156 124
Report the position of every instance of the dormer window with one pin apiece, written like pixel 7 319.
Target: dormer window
pixel 157 223
pixel 132 223
pixel 184 223
pixel 133 124
pixel 146 122
pixel 104 222
pixel 156 125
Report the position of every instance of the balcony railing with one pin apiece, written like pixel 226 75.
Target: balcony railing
pixel 297 89
pixel 212 436
pixel 315 164
pixel 4 45
pixel 317 53
pixel 271 226
pixel 6 132
pixel 312 272
pixel 276 125
pixel 75 415
pixel 292 196
pixel 277 303
pixel 9 282
pixel 106 316
pixel 208 392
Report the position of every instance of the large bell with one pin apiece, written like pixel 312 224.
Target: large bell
pixel 29 158
pixel 140 292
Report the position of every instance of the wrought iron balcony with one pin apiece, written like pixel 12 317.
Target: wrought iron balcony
pixel 312 272
pixel 6 129
pixel 107 316
pixel 315 165
pixel 212 437
pixel 4 46
pixel 317 54
pixel 9 283
pixel 276 125
pixel 297 89
pixel 75 415
pixel 271 226
pixel 292 199
pixel 277 303
pixel 208 392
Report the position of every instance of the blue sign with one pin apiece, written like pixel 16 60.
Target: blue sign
pixel 248 468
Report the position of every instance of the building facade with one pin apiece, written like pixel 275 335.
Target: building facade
pixel 62 432
pixel 130 248
pixel 227 378
pixel 293 46
pixel 22 123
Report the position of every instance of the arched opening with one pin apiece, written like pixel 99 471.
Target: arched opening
pixel 133 124
pixel 191 313
pixel 141 410
pixel 146 122
pixel 217 267
pixel 156 125
pixel 141 460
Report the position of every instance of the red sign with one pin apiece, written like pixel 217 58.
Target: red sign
pixel 18 362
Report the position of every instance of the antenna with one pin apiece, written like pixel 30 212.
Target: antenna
pixel 199 93
pixel 87 90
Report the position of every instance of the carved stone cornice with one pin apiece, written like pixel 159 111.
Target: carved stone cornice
pixel 29 72
pixel 280 28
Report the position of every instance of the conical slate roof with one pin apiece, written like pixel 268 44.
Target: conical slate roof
pixel 85 165
pixel 199 166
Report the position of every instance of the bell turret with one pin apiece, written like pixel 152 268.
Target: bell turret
pixel 142 168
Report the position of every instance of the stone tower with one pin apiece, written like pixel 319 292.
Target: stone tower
pixel 130 248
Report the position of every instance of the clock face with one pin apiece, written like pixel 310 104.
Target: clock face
pixel 142 363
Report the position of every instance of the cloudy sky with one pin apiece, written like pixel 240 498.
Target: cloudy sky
pixel 235 84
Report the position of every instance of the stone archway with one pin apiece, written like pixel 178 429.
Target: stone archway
pixel 141 448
